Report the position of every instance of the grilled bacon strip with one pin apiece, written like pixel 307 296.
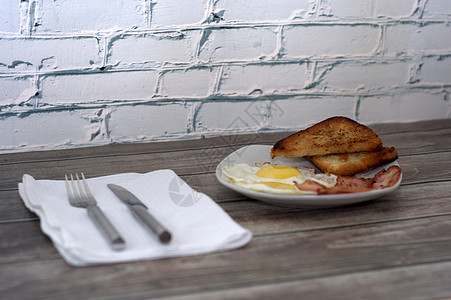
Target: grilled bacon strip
pixel 348 184
pixel 385 179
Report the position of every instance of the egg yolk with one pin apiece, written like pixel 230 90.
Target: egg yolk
pixel 278 172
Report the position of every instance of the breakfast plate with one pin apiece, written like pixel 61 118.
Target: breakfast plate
pixel 261 153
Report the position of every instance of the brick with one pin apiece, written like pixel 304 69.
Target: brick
pixel 237 10
pixel 89 88
pixel 149 122
pixel 406 38
pixel 9 16
pixel 86 15
pixel 231 117
pixel 238 44
pixel 68 44
pixel 51 54
pixel 267 78
pixel 330 40
pixel 359 9
pixel 365 76
pixel 436 70
pixel 395 9
pixel 187 83
pixel 403 107
pixel 170 47
pixel 48 130
pixel 12 89
pixel 437 8
pixel 296 113
pixel 170 13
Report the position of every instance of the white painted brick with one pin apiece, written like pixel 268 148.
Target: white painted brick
pixel 237 10
pixel 379 109
pixel 86 88
pixel 409 106
pixel 12 88
pixel 238 44
pixel 149 122
pixel 59 55
pixel 297 112
pixel 395 9
pixel 267 78
pixel 9 16
pixel 187 83
pixel 153 48
pixel 231 117
pixel 170 13
pixel 436 70
pixel 371 8
pixel 437 8
pixel 337 40
pixel 88 15
pixel 365 76
pixel 50 54
pixel 45 130
pixel 405 38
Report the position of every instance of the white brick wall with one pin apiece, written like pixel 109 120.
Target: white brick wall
pixel 329 40
pixel 99 72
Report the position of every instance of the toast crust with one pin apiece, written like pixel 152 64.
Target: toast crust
pixel 331 136
pixel 350 164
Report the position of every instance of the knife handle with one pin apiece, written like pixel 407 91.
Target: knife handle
pixel 106 228
pixel 143 215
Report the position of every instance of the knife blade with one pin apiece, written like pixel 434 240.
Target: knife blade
pixel 140 212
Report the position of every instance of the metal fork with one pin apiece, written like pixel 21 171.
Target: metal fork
pixel 80 196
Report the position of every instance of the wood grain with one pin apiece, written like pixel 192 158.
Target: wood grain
pixel 198 161
pixel 297 255
pixel 412 282
pixel 394 247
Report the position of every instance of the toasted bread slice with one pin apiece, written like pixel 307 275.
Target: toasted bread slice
pixel 353 163
pixel 331 136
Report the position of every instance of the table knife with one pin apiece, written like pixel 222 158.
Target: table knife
pixel 140 212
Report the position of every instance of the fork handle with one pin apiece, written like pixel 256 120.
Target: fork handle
pixel 110 233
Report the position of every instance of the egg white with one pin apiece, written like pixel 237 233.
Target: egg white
pixel 245 176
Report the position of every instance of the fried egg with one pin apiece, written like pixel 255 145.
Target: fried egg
pixel 274 179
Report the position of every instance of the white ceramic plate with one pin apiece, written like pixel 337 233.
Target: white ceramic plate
pixel 261 153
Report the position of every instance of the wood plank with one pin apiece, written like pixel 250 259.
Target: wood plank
pixel 348 251
pixel 409 196
pixel 184 161
pixel 24 241
pixel 429 281
pixel 294 256
pixel 198 162
pixel 409 143
pixel 428 125
pixel 263 219
pixel 406 203
pixel 426 128
pixel 140 148
pixel 12 208
pixel 425 168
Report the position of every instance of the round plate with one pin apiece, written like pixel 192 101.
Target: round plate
pixel 261 153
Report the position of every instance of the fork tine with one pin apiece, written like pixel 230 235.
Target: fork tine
pixel 74 188
pixel 81 197
pixel 69 190
pixel 80 187
pixel 88 191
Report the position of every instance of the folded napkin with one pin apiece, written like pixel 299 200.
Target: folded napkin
pixel 198 225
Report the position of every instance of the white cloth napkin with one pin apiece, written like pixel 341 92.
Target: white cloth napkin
pixel 198 225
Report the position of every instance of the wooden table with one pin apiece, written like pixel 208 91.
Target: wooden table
pixel 398 246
